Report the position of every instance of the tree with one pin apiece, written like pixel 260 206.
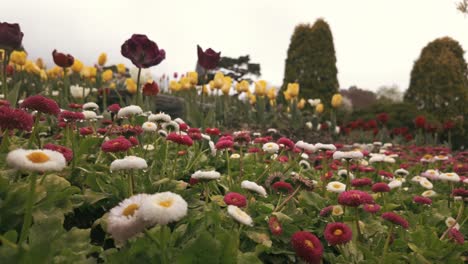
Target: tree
pixel 462 6
pixel 237 68
pixel 389 94
pixel 439 81
pixel 311 61
pixel 360 98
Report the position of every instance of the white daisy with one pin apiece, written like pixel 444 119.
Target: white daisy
pixel 336 187
pixel 149 127
pixel 394 184
pixel 159 118
pixel 306 146
pixel 128 163
pixel 171 126
pixel 212 148
pixel 270 147
pixel 429 193
pixel 90 105
pixel 441 157
pixel 426 184
pixel 309 125
pixel 252 186
pixel 235 156
pixel 401 172
pixel 449 176
pixel 239 215
pixel 148 147
pixel 179 121
pixel 417 178
pixel 129 111
pixel 431 174
pixel 305 165
pixel 40 160
pixel 321 146
pixel 206 137
pixel 337 210
pixel 124 221
pixel 347 155
pixel 206 175
pixel 162 132
pixel 451 222
pixel 314 102
pixel 163 208
pixel 344 173
pixel 89 115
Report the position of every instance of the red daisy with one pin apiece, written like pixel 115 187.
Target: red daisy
pixel 41 104
pixel 371 208
pixel 212 131
pixel 275 226
pixel 361 182
pixel 337 233
pixel 456 235
pixel 69 116
pixel 86 131
pixel 396 219
pixel 380 187
pixel 460 192
pixel 116 145
pixel 113 108
pixel 422 200
pixel 326 211
pixel 11 118
pixel 236 199
pixel 286 142
pixel 281 186
pixel 224 144
pixel 307 246
pixel 66 152
pixel 354 198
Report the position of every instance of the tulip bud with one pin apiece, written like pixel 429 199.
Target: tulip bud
pixel 336 101
pixel 319 108
pixel 102 59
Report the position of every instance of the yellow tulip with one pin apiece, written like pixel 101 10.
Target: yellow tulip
pixel 218 80
pixel 77 66
pixel 185 83
pixel 112 85
pixel 131 86
pixel 242 86
pixel 43 75
pixel 102 59
pixel 18 57
pixel 174 86
pixel 319 108
pixel 193 77
pixel 31 67
pixel 2 55
pixel 205 90
pixel 271 93
pixel 89 72
pixel 55 72
pixel 260 88
pixel 293 89
pixel 227 83
pixel 121 68
pixel 272 102
pixel 337 100
pixel 287 95
pixel 301 104
pixel 107 75
pixel 40 63
pixel 253 99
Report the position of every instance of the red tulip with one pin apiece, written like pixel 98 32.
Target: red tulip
pixel 209 58
pixel 62 60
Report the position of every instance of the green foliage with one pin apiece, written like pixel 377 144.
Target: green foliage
pixel 311 61
pixel 439 79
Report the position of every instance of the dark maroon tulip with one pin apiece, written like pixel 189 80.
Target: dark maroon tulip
pixel 150 89
pixel 142 51
pixel 208 59
pixel 63 60
pixel 10 36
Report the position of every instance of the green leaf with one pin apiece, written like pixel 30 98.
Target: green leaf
pixel 12 96
pixel 203 250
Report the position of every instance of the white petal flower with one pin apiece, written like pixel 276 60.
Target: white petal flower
pixel 206 175
pixel 129 111
pixel 394 184
pixel 449 176
pixel 321 146
pixel 149 127
pixel 40 160
pixel 417 178
pixel 401 172
pixel 239 215
pixel 148 147
pixel 305 165
pixel 336 187
pixel 123 221
pixel 159 118
pixel 306 146
pixel 163 208
pixel 451 222
pixel 429 193
pixel 171 126
pixel 212 148
pixel 270 147
pixel 90 105
pixel 426 184
pixel 347 155
pixel 76 91
pixel 128 163
pixel 252 186
pixel 90 115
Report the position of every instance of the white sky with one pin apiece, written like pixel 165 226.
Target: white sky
pixel 376 41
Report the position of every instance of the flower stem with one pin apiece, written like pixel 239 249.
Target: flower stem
pixel 387 241
pixel 130 183
pixel 228 168
pixel 28 208
pixel 138 87
pixel 4 78
pixel 278 208
pixel 358 228
pixel 35 129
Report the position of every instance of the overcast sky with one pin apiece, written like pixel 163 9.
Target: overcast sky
pixel 376 41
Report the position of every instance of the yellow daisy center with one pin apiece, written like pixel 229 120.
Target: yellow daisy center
pixel 309 244
pixel 130 210
pixel 166 203
pixel 336 185
pixel 338 232
pixel 38 157
pixel 449 174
